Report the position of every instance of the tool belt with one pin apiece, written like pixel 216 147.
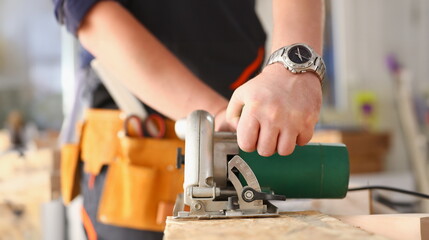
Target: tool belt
pixel 142 181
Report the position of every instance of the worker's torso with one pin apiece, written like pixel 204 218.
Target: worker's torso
pixel 216 39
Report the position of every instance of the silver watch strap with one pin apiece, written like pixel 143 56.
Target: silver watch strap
pixel 320 69
pixel 318 65
pixel 276 56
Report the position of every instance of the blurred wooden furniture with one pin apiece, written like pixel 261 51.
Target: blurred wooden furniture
pixel 25 183
pixel 367 150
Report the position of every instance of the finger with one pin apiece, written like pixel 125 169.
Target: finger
pixel 267 140
pixel 304 137
pixel 247 132
pixel 286 143
pixel 234 109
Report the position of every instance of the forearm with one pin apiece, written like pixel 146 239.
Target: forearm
pixel 278 109
pixel 298 21
pixel 143 64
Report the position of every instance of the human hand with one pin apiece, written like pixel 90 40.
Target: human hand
pixel 221 125
pixel 275 110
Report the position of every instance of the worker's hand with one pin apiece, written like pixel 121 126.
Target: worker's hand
pixel 275 110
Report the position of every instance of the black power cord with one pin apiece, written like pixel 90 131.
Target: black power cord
pixel 416 194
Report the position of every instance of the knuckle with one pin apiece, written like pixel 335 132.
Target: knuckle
pixel 265 148
pixel 276 116
pixel 287 150
pixel 309 120
pixel 235 94
pixel 239 93
pixel 302 142
pixel 265 152
pixel 307 125
pixel 304 138
pixel 313 117
pixel 264 93
pixel 246 146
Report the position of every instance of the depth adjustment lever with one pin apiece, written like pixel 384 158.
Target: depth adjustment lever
pixel 249 195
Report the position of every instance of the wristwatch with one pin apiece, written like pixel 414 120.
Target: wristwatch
pixel 299 58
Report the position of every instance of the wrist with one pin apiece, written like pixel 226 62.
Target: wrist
pixel 283 74
pixel 276 68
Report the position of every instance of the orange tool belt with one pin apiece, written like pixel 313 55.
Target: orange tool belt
pixel 142 181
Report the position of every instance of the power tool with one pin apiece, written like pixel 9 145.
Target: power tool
pixel 222 181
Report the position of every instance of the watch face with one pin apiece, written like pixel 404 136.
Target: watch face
pixel 299 54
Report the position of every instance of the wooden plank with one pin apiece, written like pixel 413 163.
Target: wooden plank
pixel 394 226
pixel 299 225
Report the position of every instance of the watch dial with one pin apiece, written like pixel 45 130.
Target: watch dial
pixel 299 54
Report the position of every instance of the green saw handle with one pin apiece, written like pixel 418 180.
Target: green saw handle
pixel 311 171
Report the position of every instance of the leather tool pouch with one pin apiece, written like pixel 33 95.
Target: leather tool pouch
pixel 142 181
pixel 69 169
pixel 70 176
pixel 97 146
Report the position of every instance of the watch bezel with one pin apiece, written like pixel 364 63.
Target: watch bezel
pixel 298 67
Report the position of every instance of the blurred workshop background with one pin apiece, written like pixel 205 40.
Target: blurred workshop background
pixel 376 101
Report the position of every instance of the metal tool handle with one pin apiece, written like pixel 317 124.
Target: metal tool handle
pixel 199 151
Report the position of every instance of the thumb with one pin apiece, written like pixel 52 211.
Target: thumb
pixel 233 111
